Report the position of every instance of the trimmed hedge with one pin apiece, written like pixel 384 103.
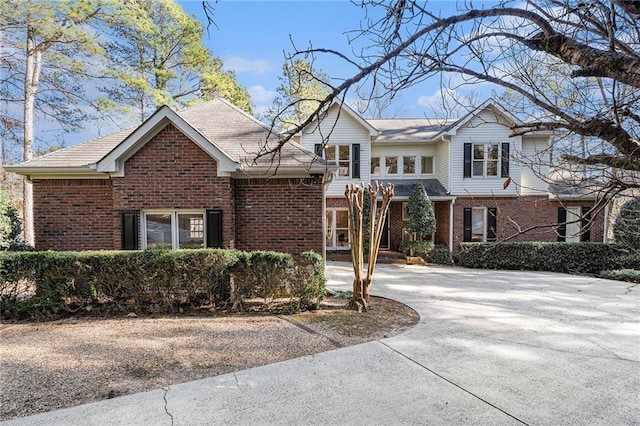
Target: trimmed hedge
pixel 630 275
pixel 574 258
pixel 46 285
pixel 440 255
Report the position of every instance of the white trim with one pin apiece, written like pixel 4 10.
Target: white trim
pixel 334 237
pixel 174 213
pixel 114 161
pixel 451 222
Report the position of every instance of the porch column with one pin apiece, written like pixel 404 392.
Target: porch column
pixel 453 201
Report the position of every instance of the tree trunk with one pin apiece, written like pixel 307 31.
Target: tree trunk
pixel 32 76
pixel 358 301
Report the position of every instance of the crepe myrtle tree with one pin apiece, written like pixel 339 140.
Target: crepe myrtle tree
pixel 569 68
pixel 359 229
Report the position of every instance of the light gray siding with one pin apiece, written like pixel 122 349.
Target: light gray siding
pixel 484 128
pixel 442 163
pixel 534 163
pixel 339 130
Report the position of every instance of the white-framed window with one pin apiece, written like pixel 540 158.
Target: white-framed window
pixel 480 224
pixel 375 166
pixel 337 234
pixel 573 227
pixel 173 229
pixel 485 160
pixel 426 165
pixel 341 155
pixel 409 165
pixel 391 165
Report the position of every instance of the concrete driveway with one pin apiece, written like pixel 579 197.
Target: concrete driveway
pixel 492 347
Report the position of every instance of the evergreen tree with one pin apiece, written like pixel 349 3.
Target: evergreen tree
pixel 626 228
pixel 422 219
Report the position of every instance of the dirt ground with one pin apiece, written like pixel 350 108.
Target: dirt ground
pixel 52 365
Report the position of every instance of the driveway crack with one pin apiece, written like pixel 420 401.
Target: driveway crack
pixel 455 384
pixel 630 287
pixel 166 403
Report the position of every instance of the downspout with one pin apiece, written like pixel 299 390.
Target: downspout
pixel 605 234
pixel 453 201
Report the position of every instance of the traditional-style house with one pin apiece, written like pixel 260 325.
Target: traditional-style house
pixel 485 184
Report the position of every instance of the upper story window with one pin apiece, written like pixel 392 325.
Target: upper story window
pixel 375 166
pixel 409 165
pixel 486 160
pixel 391 165
pixel 341 154
pixel 426 164
pixel 345 156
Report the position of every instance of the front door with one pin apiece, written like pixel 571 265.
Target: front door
pixel 384 240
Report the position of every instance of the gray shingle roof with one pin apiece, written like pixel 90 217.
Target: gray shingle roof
pixel 404 187
pixel 234 132
pixel 409 129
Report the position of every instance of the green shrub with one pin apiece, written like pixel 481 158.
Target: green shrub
pixel 45 285
pixel 578 258
pixel 417 248
pixel 261 274
pixel 630 275
pixel 440 255
pixel 308 281
pixel 626 228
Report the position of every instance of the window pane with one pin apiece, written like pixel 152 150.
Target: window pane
pixel 342 219
pixel 344 152
pixel 477 225
pixel 375 165
pixel 329 234
pixel 492 168
pixel 190 231
pixel 342 228
pixel 427 165
pixel 159 231
pixel 330 153
pixel 408 165
pixel 478 168
pixel 493 152
pixel 392 165
pixel 478 152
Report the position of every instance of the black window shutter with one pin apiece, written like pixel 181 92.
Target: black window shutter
pixel 355 161
pixel 467 225
pixel 214 229
pixel 130 221
pixel 317 148
pixel 492 223
pixel 562 228
pixel 585 225
pixel 504 172
pixel 467 160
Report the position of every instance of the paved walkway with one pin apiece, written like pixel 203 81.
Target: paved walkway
pixel 492 347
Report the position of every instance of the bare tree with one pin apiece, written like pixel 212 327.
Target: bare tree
pixel 592 48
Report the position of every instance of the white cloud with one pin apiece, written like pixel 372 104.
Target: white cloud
pixel 447 103
pixel 240 65
pixel 260 95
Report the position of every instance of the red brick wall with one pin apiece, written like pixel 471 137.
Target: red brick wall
pixel 523 213
pixel 73 214
pixel 172 172
pixel 442 210
pixel 279 214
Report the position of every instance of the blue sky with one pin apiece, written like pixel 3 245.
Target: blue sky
pixel 251 36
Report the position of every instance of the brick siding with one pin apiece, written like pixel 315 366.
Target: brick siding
pixel 73 214
pixel 522 213
pixel 172 172
pixel 279 214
